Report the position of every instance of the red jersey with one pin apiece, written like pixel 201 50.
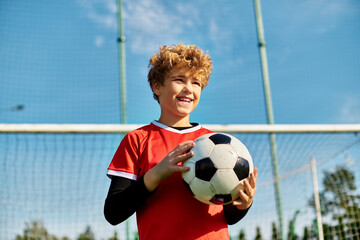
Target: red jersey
pixel 171 212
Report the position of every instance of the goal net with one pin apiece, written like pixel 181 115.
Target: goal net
pixel 53 179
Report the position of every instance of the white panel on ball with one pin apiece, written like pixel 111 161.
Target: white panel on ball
pixel 202 188
pixel 224 181
pixel 203 148
pixel 223 156
pixel 241 149
pixel 189 175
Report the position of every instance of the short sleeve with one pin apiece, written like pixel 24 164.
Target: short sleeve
pixel 125 160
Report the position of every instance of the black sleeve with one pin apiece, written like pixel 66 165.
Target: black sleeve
pixel 233 215
pixel 125 196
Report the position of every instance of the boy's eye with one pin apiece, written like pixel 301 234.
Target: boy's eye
pixel 197 83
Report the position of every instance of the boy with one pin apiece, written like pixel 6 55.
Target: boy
pixel 146 168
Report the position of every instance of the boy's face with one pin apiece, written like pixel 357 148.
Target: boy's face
pixel 179 95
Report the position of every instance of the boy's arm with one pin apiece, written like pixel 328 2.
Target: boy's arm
pixel 238 209
pixel 233 214
pixel 125 196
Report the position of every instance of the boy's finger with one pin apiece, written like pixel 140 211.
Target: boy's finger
pixel 243 198
pixel 183 157
pixel 255 172
pixel 253 177
pixel 252 181
pixel 181 148
pixel 247 188
pixel 185 146
pixel 182 169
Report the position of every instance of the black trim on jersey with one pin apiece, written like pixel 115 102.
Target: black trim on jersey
pixel 125 196
pixel 183 128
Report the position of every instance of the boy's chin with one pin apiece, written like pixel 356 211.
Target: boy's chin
pixel 185 112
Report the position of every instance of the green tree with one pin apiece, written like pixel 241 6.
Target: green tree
pixel 136 235
pixel 306 235
pixel 87 235
pixel 36 230
pixel 275 232
pixel 258 234
pixel 291 233
pixel 339 201
pixel 328 232
pixel 340 229
pixel 241 235
pixel 115 237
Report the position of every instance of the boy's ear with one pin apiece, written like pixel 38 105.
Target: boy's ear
pixel 156 88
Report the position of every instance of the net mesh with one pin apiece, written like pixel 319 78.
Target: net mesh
pixel 60 180
pixel 60 64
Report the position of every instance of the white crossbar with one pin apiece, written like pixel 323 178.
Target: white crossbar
pixel 232 128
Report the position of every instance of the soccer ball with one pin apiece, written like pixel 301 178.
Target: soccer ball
pixel 218 168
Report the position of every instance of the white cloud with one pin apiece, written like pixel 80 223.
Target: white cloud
pixel 317 16
pixel 151 24
pixel 148 24
pixel 350 110
pixel 99 41
pixel 102 12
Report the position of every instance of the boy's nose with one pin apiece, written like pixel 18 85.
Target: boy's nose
pixel 188 88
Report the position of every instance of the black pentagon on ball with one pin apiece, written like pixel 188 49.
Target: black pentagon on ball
pixel 221 199
pixel 219 138
pixel 242 168
pixel 205 169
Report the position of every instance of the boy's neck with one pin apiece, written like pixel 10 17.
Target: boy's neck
pixel 183 122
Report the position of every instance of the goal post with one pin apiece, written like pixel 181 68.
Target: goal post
pixel 56 174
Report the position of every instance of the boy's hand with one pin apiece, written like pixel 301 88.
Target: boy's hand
pixel 169 165
pixel 246 196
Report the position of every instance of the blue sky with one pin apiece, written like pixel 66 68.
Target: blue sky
pixel 60 60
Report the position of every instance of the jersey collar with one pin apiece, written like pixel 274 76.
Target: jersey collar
pixel 188 130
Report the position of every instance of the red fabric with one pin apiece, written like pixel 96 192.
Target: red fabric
pixel 171 212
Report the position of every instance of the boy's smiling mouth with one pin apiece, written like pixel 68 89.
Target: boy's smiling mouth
pixel 186 100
